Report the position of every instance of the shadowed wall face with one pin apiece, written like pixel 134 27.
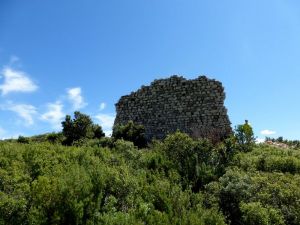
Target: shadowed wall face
pixel 195 107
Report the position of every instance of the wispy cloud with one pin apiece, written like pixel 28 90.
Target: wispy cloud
pixel 16 81
pixel 102 106
pixel 75 97
pixel 106 121
pixel 54 114
pixel 25 111
pixel 268 132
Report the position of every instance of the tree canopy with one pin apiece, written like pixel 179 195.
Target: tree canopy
pixel 130 132
pixel 80 127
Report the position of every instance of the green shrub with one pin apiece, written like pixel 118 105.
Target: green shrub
pixel 192 159
pixel 176 181
pixel 79 128
pixel 55 138
pixel 130 132
pixel 245 136
pixel 106 142
pixel 256 214
pixel 279 192
pixel 23 140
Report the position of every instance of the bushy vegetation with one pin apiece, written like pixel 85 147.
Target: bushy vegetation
pixel 131 132
pixel 179 180
pixel 55 184
pixel 244 136
pixel 80 128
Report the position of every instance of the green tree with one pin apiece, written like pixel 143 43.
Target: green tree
pixel 98 132
pixel 256 214
pixel 244 136
pixel 280 139
pixel 131 132
pixel 80 127
pixel 23 140
pixel 193 159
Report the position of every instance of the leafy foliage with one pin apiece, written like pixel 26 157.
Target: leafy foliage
pixel 175 181
pixel 81 127
pixel 244 136
pixel 259 186
pixel 53 184
pixel 131 132
pixel 256 214
pixel 55 138
pixel 22 139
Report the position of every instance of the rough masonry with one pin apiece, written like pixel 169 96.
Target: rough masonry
pixel 195 107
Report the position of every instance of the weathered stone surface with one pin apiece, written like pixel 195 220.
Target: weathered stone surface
pixel 195 107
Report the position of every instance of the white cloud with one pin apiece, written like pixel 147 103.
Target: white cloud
pixel 102 106
pixel 16 81
pixel 106 121
pixel 259 140
pixel 54 114
pixel 75 97
pixel 23 110
pixel 267 132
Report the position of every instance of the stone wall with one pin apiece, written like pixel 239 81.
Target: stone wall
pixel 195 107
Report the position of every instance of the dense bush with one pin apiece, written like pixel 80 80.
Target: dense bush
pixel 256 214
pixel 198 161
pixel 261 186
pixel 55 138
pixel 278 194
pixel 81 127
pixel 191 158
pixel 270 159
pixel 131 132
pixel 175 181
pixel 53 184
pixel 22 139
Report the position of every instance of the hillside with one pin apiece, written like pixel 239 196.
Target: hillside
pixel 175 181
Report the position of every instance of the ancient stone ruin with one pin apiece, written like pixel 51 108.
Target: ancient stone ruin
pixel 195 107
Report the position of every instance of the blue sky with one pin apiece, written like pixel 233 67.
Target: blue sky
pixel 57 56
